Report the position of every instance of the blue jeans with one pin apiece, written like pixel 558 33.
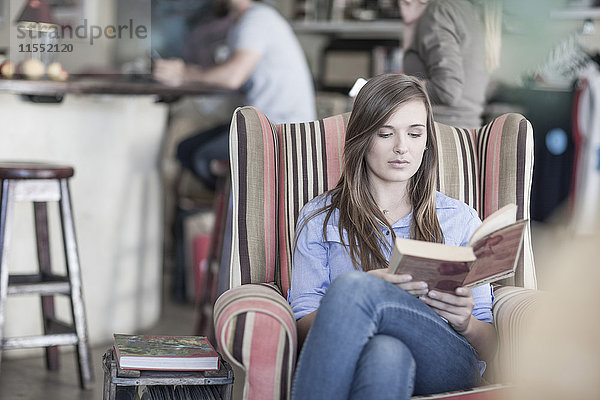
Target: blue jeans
pixel 198 151
pixel 372 340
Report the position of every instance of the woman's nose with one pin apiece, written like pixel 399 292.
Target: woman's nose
pixel 400 145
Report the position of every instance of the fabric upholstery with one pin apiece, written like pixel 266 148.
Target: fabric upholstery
pixel 488 168
pixel 276 173
pixel 276 169
pixel 256 327
pixel 513 310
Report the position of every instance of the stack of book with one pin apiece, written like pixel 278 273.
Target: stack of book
pixel 165 353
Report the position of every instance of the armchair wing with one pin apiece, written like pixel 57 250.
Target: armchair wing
pixel 276 169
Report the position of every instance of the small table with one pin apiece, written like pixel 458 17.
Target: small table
pixel 220 382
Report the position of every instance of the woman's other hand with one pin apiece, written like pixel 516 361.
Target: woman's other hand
pixel 403 281
pixel 455 307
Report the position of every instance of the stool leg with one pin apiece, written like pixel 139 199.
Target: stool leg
pixel 74 272
pixel 43 249
pixel 6 209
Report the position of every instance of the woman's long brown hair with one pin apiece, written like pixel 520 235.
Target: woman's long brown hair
pixel 359 214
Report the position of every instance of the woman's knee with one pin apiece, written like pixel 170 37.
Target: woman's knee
pixel 344 292
pixel 390 351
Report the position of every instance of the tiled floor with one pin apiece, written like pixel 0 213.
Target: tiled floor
pixel 28 379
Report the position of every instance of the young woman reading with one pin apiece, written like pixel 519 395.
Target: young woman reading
pixel 371 334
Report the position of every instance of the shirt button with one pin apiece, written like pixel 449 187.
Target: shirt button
pixel 387 232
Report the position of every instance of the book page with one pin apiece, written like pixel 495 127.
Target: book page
pixel 497 255
pixel 438 251
pixel 500 218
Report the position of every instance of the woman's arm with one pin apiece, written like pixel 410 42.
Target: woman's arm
pixel 310 269
pixel 457 309
pixel 483 337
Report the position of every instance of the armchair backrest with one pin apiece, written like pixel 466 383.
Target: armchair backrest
pixel 276 169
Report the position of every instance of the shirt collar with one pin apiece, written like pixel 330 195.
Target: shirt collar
pixel 403 222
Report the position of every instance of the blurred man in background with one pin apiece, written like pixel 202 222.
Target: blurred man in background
pixel 265 62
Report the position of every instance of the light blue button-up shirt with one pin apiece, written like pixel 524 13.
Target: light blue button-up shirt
pixel 317 262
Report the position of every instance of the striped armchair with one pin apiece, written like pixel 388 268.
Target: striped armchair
pixel 276 169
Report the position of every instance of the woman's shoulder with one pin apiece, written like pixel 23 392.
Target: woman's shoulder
pixel 312 216
pixel 443 202
pixel 457 219
pixel 320 201
pixel 315 209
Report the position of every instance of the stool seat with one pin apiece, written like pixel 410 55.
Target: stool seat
pixel 34 170
pixel 40 183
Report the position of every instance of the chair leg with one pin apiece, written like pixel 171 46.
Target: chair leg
pixel 5 221
pixel 179 287
pixel 74 272
pixel 43 249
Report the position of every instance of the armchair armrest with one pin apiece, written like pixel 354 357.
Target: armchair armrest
pixel 255 330
pixel 513 309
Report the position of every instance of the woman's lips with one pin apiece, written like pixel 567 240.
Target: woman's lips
pixel 398 163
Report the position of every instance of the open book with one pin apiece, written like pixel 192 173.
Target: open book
pixel 492 254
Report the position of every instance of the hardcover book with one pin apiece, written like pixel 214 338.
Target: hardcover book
pixel 492 254
pixel 166 353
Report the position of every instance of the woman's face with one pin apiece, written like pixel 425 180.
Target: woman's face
pixel 411 10
pixel 397 147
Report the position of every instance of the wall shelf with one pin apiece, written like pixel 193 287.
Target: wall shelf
pixel 581 13
pixel 349 49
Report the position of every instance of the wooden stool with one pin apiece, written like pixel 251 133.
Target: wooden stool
pixel 41 183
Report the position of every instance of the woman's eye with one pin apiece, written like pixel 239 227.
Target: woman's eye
pixel 415 134
pixel 384 134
